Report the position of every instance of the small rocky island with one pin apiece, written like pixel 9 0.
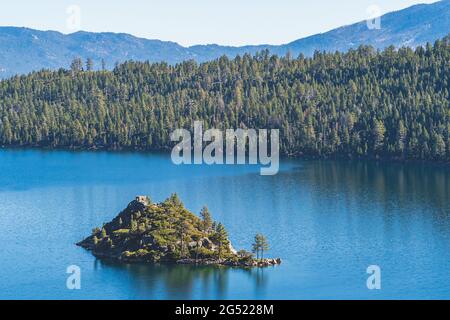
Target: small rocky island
pixel 168 233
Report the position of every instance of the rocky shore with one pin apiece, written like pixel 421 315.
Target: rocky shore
pixel 231 263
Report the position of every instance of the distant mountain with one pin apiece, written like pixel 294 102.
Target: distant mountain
pixel 23 50
pixel 413 26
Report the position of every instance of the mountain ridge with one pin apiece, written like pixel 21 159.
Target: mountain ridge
pixel 23 50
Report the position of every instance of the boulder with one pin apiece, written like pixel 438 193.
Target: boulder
pixel 193 244
pixel 208 244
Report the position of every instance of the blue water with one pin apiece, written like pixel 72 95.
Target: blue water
pixel 327 220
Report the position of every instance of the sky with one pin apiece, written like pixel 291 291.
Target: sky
pixel 190 22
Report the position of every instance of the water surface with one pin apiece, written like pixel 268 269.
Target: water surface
pixel 327 220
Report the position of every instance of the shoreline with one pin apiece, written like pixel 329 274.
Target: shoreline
pixel 166 152
pixel 255 263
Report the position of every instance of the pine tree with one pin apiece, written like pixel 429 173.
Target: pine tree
pixel 183 228
pixel 378 132
pixel 76 66
pixel 133 224
pixel 221 238
pixel 260 246
pixel 207 221
pixel 89 64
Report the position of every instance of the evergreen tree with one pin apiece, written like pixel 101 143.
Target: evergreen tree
pixel 207 221
pixel 183 229
pixel 76 66
pixel 89 64
pixel 379 131
pixel 133 224
pixel 221 238
pixel 260 246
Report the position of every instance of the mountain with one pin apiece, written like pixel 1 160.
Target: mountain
pixel 23 50
pixel 411 27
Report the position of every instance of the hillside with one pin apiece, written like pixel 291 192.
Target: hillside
pixel 360 104
pixel 23 50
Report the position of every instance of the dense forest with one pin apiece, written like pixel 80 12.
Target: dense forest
pixel 392 104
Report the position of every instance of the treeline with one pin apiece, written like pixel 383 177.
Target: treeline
pixel 392 104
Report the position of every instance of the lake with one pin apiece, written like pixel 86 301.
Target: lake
pixel 327 220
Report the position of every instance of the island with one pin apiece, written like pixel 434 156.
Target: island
pixel 167 232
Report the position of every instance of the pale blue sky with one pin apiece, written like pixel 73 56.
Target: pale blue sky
pixel 188 22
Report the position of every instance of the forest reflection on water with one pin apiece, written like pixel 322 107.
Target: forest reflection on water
pixel 385 181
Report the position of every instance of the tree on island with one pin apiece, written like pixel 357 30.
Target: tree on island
pixel 244 255
pixel 174 200
pixel 198 243
pixel 207 221
pixel 183 228
pixel 221 237
pixel 260 245
pixel 133 225
pixel 95 231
